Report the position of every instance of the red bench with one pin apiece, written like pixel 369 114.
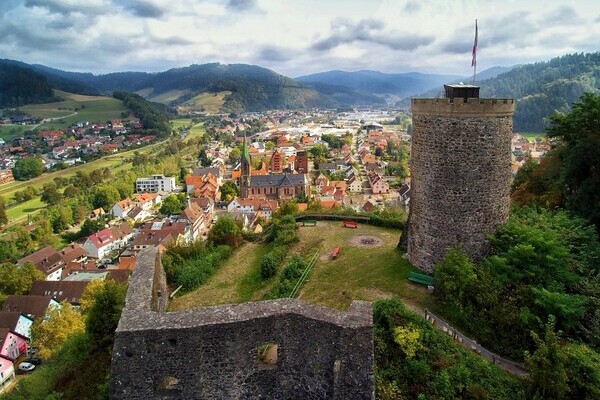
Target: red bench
pixel 335 253
pixel 350 224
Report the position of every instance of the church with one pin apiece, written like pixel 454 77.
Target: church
pixel 274 186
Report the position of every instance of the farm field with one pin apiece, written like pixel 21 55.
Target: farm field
pixel 361 272
pixel 76 108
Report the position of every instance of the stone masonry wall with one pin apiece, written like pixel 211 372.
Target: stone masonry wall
pixel 213 352
pixel 460 176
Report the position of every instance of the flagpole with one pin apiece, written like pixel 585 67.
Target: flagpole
pixel 474 59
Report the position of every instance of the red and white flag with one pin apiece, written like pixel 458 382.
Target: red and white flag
pixel 474 60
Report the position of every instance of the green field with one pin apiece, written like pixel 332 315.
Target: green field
pixel 210 102
pixel 194 130
pixel 168 96
pixel 76 108
pixel 532 136
pixel 115 162
pixel 7 132
pixel 359 273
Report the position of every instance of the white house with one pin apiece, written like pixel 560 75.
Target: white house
pixel 122 208
pixel 100 244
pixel 154 184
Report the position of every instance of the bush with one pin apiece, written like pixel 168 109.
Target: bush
pixel 191 266
pixel 268 266
pixel 271 260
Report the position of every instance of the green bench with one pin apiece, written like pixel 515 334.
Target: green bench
pixel 420 278
pixel 309 222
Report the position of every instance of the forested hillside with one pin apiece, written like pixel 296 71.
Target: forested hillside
pixel 543 87
pixel 151 116
pixel 253 88
pixel 19 86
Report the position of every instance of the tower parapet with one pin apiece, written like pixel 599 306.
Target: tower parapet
pixel 460 174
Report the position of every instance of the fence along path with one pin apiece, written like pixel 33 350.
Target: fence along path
pixel 512 367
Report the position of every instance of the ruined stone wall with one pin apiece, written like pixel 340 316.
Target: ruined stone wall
pixel 460 176
pixel 214 352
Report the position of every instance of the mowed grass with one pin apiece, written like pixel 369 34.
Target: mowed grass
pixel 532 136
pixel 76 108
pixel 8 132
pixel 21 210
pixel 359 273
pixel 210 102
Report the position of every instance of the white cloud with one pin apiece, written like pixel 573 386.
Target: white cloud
pixel 293 37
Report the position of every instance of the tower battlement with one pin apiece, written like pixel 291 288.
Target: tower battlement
pixel 458 108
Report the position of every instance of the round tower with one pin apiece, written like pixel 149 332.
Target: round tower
pixel 460 173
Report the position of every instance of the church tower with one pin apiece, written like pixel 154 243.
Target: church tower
pixel 245 169
pixel 460 173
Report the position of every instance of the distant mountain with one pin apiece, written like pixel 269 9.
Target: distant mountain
pixel 252 88
pixel 373 83
pixel 249 87
pixel 20 86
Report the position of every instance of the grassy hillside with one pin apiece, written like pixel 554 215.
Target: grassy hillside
pixel 370 273
pixel 76 108
pixel 209 102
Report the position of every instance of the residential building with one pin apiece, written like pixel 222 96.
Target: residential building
pixel 354 184
pixel 122 208
pixel 12 345
pixel 264 208
pixel 301 164
pixel 378 184
pixel 7 373
pixel 60 291
pixel 47 260
pixel 32 306
pixel 100 244
pixel 155 183
pixel 17 322
pixel 147 200
pixel 277 161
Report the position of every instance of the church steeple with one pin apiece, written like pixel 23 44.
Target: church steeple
pixel 245 168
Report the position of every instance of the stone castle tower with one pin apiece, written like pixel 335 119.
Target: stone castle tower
pixel 460 173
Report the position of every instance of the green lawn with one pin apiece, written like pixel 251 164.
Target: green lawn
pixel 76 108
pixel 7 132
pixel 20 211
pixel 532 136
pixel 359 273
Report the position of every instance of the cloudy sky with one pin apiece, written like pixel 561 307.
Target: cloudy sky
pixel 294 37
